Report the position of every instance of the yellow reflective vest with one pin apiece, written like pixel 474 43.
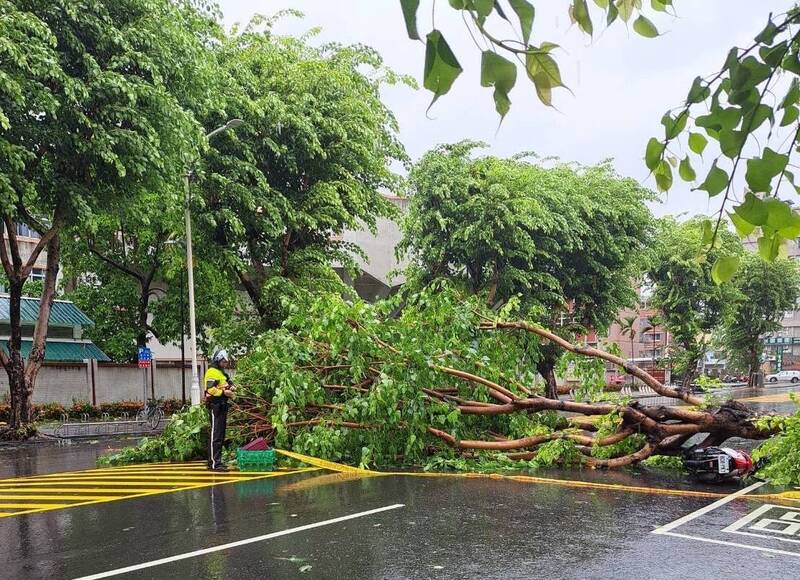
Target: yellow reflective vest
pixel 215 381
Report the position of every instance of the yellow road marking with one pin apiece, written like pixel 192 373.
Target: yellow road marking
pixel 28 506
pixel 774 398
pixel 57 497
pixel 145 477
pixel 103 483
pixel 143 487
pixel 138 475
pixel 347 469
pixel 120 492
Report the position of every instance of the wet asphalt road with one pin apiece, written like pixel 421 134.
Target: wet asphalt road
pixel 448 528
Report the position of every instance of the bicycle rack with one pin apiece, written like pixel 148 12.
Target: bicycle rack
pixel 106 426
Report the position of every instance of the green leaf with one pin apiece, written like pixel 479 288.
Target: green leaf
pixel 743 228
pixel 761 171
pixel 410 16
pixel 483 8
pixel 755 118
pixel 716 181
pixel 686 170
pixel 659 5
pixel 441 66
pixel 790 116
pixel 792 95
pixel 697 143
pixel 673 127
pixel 613 13
pixel 779 214
pixel 708 233
pixel 626 8
pixel 602 3
pixel 645 27
pixel 652 156
pixel 543 71
pixel 753 210
pixel 581 12
pixel 663 175
pixel 500 73
pixel 792 229
pixel 724 269
pixel 699 92
pixel 791 63
pixel 525 12
pixel 769 247
pixel 773 55
pixel 731 142
pixel 767 36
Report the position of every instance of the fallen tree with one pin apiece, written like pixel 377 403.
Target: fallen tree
pixel 436 379
pixel 436 375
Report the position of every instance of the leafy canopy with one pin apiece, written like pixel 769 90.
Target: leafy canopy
pixel 765 291
pixel 564 238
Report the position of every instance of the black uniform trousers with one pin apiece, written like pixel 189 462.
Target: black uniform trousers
pixel 218 410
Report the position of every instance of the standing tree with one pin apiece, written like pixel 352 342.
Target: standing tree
pixel 627 328
pixel 766 291
pixel 308 163
pixel 88 114
pixel 128 266
pixel 692 303
pixel 565 239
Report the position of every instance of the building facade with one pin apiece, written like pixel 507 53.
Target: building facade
pixel 27 239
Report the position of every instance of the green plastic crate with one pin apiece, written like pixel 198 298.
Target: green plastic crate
pixel 255 460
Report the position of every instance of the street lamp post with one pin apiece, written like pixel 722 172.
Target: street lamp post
pixel 195 389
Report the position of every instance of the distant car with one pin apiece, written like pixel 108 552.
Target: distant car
pixel 784 376
pixel 616 381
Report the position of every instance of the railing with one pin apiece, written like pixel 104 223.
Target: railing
pixel 85 427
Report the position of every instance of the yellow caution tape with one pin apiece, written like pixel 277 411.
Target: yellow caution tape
pixel 340 468
pixel 329 465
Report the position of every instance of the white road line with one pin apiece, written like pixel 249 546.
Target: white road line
pixel 213 549
pixel 734 544
pixel 749 517
pixel 711 507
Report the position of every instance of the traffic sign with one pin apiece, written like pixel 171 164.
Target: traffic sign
pixel 145 357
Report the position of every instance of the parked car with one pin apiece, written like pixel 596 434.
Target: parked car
pixel 784 376
pixel 616 381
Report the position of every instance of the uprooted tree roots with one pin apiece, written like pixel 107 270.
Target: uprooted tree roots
pixel 385 386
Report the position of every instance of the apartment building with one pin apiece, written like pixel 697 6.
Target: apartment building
pixel 27 239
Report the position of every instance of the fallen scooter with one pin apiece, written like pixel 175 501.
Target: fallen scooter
pixel 717 464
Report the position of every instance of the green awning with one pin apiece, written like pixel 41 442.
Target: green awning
pixel 63 312
pixel 64 351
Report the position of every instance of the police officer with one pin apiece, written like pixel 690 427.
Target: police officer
pixel 219 388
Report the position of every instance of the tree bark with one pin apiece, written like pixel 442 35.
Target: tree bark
pixel 546 368
pixel 24 414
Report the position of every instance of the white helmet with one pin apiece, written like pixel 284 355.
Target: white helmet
pixel 220 356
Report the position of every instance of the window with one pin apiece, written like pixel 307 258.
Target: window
pixel 37 274
pixel 24 230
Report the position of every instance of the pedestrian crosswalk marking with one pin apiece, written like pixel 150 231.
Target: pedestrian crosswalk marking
pixel 55 491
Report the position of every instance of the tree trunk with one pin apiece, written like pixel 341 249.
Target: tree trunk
pixel 21 408
pixel 39 343
pixel 546 368
pixel 755 363
pixel 21 375
pixel 144 303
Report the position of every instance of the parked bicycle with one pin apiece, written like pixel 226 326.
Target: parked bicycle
pixel 152 414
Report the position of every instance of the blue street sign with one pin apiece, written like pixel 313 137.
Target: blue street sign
pixel 145 354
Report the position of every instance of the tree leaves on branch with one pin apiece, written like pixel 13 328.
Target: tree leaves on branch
pixel 737 109
pixel 442 66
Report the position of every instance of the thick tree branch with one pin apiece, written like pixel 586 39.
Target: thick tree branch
pixel 596 353
pixel 114 264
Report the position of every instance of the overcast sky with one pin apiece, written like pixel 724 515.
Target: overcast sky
pixel 622 83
